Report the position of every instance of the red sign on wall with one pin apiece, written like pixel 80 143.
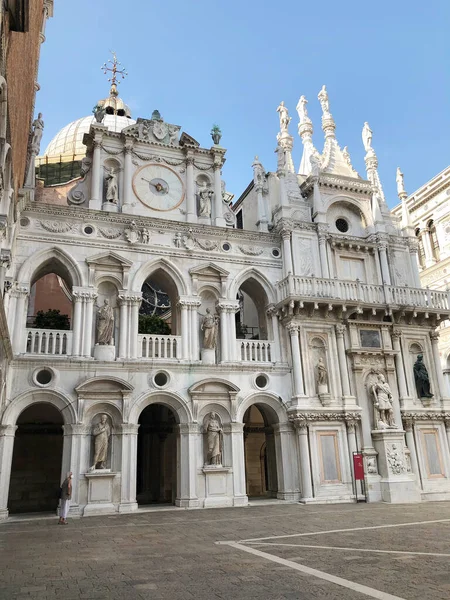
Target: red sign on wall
pixel 358 466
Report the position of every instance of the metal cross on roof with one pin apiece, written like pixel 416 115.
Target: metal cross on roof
pixel 116 72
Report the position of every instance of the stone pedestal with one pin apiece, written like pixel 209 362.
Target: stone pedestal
pixel 110 207
pixel 216 486
pixel 100 492
pixel 324 395
pixel 397 484
pixel 106 353
pixel 208 356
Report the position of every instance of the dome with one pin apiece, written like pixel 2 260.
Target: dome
pixel 69 141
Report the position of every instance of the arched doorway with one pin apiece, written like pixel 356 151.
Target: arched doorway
pixel 157 456
pixel 36 462
pixel 260 454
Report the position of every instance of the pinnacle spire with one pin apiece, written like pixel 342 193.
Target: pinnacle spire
pixel 305 131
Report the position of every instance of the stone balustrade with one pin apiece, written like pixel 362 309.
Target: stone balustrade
pixel 156 346
pixel 254 350
pixel 49 341
pixel 364 293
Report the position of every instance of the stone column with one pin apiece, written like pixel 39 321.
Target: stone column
pixel 191 209
pixel 301 426
pixel 323 252
pixel 287 488
pixel 351 424
pixel 128 477
pixel 184 309
pixel 414 260
pixel 287 253
pixel 434 336
pixel 135 303
pixel 408 425
pixel 77 295
pixel 88 320
pixel 399 367
pixel 224 333
pixel 187 470
pixel 275 348
pixel 429 259
pixel 195 339
pixel 219 221
pixel 123 302
pixel 297 371
pixel 19 341
pixel 73 434
pixel 342 359
pixel 236 431
pixel 96 191
pixel 7 433
pixel 127 203
pixel 382 250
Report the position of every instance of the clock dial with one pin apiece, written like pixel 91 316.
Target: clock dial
pixel 158 187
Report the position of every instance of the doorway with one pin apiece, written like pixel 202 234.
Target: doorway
pixel 259 451
pixel 36 462
pixel 156 481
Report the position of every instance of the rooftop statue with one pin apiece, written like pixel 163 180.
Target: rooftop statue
pixel 324 102
pixel 285 119
pixel 38 132
pixel 400 182
pixel 302 110
pixel 367 137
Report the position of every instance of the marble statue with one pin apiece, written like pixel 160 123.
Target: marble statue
pixel 105 324
pixel 285 119
pixel 372 466
pixel 204 194
pixel 302 110
pixel 323 99
pixel 367 137
pixel 38 132
pixel 382 400
pixel 173 135
pixel 258 171
pixel 112 187
pixel 209 328
pixel 214 434
pixel 400 182
pixel 315 165
pixel 322 373
pixel 422 378
pixel 101 433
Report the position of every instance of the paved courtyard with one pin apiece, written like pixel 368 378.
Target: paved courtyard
pixel 271 551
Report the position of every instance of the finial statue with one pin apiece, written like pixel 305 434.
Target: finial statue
pixel 400 183
pixel 382 401
pixel 324 102
pixel 38 132
pixel 367 137
pixel 216 134
pixel 281 158
pixel 285 119
pixel 302 110
pixel 99 112
pixel 314 161
pixel 101 433
pixel 422 378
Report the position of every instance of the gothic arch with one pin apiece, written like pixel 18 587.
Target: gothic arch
pixel 170 399
pixel 252 273
pixel 38 261
pixel 269 400
pixel 146 270
pixel 53 397
pixel 362 207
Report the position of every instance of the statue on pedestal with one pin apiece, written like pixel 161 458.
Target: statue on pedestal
pixel 383 403
pixel 112 187
pixel 285 119
pixel 422 378
pixel 214 434
pixel 105 324
pixel 38 132
pixel 101 433
pixel 209 328
pixel 322 373
pixel 400 182
pixel 205 201
pixel 367 137
pixel 324 101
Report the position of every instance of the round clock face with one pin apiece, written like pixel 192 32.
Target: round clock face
pixel 158 187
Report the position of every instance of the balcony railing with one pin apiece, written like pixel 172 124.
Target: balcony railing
pixel 254 350
pixel 356 291
pixel 159 346
pixel 49 341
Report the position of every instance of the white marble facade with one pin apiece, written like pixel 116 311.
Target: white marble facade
pixel 326 278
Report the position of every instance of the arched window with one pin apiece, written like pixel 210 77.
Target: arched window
pixel 433 239
pixel 421 249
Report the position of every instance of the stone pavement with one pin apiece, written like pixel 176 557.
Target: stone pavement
pixel 174 555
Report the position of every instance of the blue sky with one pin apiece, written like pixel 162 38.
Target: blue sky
pixel 202 62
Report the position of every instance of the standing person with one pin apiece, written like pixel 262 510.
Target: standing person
pixel 66 494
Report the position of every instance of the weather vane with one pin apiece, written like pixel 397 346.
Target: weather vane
pixel 116 72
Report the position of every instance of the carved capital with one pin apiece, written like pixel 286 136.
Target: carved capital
pixel 300 422
pixel 408 423
pixel 396 334
pixel 340 329
pixel 20 291
pixel 286 233
pixel 434 336
pixel 86 294
pixel 128 429
pixel 293 329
